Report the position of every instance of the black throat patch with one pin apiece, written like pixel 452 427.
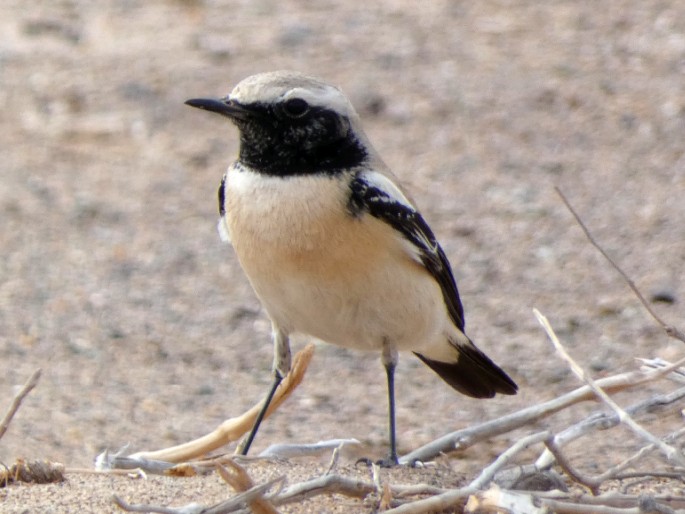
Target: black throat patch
pixel 320 142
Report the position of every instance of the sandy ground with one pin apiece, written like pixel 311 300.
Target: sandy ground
pixel 114 282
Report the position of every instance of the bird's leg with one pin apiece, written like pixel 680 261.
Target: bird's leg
pixel 389 359
pixel 281 367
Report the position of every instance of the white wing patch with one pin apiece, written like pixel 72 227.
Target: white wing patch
pixel 387 186
pixel 223 230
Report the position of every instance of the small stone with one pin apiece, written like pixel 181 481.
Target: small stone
pixel 663 296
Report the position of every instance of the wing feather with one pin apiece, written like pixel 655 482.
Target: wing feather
pixel 380 197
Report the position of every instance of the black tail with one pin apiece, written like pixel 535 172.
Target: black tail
pixel 474 374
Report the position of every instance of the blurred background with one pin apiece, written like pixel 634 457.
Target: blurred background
pixel 113 279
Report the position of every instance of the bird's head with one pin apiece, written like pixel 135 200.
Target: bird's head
pixel 292 124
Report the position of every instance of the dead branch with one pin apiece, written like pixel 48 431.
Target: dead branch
pixel 610 499
pixel 462 439
pixel 603 421
pixel 670 452
pixel 437 503
pixel 658 363
pixel 589 482
pixel 109 461
pixel 234 428
pixel 614 472
pixel 193 508
pixel 230 505
pixel 669 329
pixel 489 472
pixel 326 484
pixel 236 476
pixel 16 402
pixel 498 500
pixel 523 502
pixel 286 451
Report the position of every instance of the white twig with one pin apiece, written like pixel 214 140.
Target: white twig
pixel 489 472
pixel 678 375
pixel 437 503
pixel 462 439
pixel 233 429
pixel 670 452
pixel 326 484
pixel 501 500
pixel 603 421
pixel 306 450
pixel 191 508
pixel 230 505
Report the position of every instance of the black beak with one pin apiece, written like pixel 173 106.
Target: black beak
pixel 225 107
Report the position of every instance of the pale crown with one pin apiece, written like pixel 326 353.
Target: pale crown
pixel 279 86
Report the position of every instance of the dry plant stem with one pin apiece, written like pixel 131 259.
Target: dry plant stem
pixel 125 506
pixel 402 491
pixel 326 484
pixel 612 499
pixel 89 471
pixel 572 508
pixel 605 421
pixel 521 502
pixel 669 329
pixel 16 402
pixel 236 476
pixel 287 451
pixel 489 472
pixel 234 428
pixel 614 473
pixel 467 437
pixel 230 505
pixel 670 452
pixel 435 503
pixel 496 501
pixel 333 462
pixel 565 464
pixel 657 363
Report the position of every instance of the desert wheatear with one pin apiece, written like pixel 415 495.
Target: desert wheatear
pixel 332 245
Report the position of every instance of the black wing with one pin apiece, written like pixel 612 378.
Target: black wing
pixel 472 372
pixel 366 197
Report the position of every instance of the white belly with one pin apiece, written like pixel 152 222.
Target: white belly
pixel 321 272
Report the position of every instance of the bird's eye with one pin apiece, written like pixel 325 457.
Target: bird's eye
pixel 296 107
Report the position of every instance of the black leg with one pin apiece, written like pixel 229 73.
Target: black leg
pixel 245 446
pixel 281 368
pixel 392 456
pixel 389 359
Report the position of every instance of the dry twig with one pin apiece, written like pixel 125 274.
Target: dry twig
pixel 489 472
pixel 16 402
pixel 462 439
pixel 286 451
pixel 231 505
pixel 669 329
pixel 436 503
pixel 517 502
pixel 326 484
pixel 669 451
pixel 603 421
pixel 236 476
pixel 234 428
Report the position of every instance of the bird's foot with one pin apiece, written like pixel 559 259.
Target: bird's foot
pixel 389 462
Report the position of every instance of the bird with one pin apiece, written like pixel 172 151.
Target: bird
pixel 332 244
